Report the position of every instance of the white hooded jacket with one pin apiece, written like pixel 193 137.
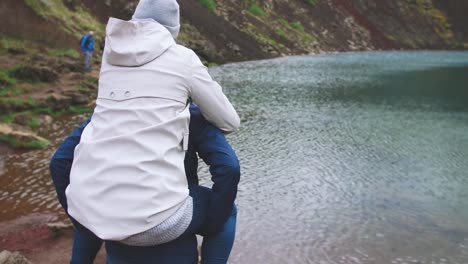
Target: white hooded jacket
pixel 128 172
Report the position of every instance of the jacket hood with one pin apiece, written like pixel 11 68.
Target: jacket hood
pixel 135 43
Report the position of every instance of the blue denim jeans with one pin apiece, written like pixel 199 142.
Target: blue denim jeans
pixel 88 60
pixel 215 249
pixel 86 245
pixel 183 250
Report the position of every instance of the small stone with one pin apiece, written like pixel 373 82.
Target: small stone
pixel 7 257
pixel 16 51
pixel 79 99
pixel 57 101
pixel 22 119
pixel 71 67
pixel 20 134
pixel 92 104
pixel 234 47
pixel 45 119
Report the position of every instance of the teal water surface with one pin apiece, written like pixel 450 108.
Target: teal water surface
pixel 352 158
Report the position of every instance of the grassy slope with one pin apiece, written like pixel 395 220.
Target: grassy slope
pixel 73 22
pixel 277 28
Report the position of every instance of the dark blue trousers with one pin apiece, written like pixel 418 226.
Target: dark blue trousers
pixel 183 250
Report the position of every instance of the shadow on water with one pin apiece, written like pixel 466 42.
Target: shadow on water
pixel 421 221
pixel 438 89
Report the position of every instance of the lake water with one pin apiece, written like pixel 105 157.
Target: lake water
pixel 346 158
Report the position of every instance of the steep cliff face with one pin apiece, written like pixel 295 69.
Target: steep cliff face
pixel 233 30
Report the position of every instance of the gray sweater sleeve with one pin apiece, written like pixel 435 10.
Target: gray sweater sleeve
pixel 211 100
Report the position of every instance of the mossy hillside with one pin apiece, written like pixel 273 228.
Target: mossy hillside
pixel 441 25
pixel 74 22
pixel 301 26
pixel 265 40
pixel 320 24
pixel 70 53
pixel 210 4
pixel 438 19
pixel 9 43
pixel 37 82
pixel 271 29
pixel 15 46
pixel 294 31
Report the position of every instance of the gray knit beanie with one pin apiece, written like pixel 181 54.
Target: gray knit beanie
pixel 165 12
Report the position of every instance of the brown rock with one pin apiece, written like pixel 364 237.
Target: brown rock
pixel 92 104
pixel 2 159
pixel 20 135
pixel 45 119
pixel 205 49
pixel 8 106
pixel 71 67
pixel 7 257
pixel 79 99
pixel 57 101
pixel 22 119
pixel 16 51
pixel 234 47
pixel 70 4
pixel 35 74
pixel 77 76
pixel 26 233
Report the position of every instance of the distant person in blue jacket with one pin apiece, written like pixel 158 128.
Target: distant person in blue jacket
pixel 214 210
pixel 87 47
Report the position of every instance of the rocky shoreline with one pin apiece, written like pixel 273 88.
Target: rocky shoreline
pixel 36 88
pixel 37 238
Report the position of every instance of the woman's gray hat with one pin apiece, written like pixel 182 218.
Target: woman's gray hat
pixel 165 12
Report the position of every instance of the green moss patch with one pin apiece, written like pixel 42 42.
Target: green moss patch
pixel 9 43
pixel 261 38
pixel 256 10
pixel 47 111
pixel 7 118
pixel 11 101
pixel 293 31
pixel 34 123
pixel 36 144
pixel 71 53
pixel 298 26
pixel 6 79
pixel 312 2
pixel 15 142
pixel 210 4
pixel 80 109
